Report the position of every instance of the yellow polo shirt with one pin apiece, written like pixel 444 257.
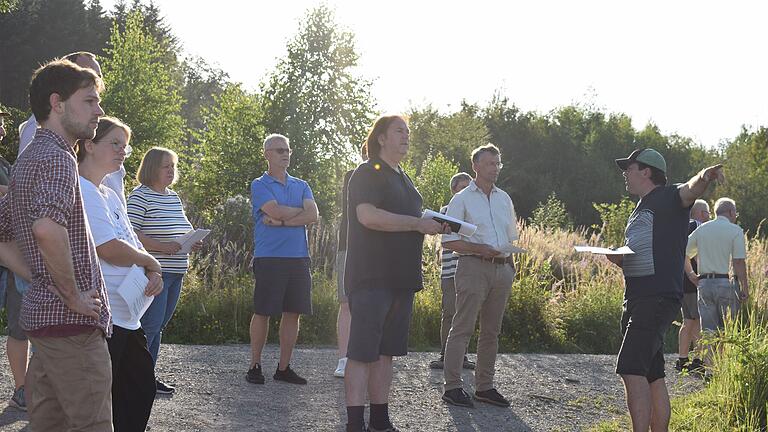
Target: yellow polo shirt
pixel 715 243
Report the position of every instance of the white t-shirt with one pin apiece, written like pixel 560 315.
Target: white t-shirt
pixel 108 220
pixel 114 181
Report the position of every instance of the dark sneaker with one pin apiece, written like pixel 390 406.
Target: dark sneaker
pixel 254 375
pixel 696 367
pixel 458 397
pixel 289 376
pixel 18 401
pixel 351 428
pixel 163 388
pixel 437 364
pixel 681 364
pixel 468 364
pixel 492 397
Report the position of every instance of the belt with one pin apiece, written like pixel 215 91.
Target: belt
pixel 713 276
pixel 498 261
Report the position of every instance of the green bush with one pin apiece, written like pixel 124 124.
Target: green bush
pixel 590 317
pixel 614 217
pixel 551 214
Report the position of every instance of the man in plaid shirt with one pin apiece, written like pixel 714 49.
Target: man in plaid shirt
pixel 66 312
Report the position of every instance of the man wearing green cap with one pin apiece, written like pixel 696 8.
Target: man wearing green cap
pixel 657 232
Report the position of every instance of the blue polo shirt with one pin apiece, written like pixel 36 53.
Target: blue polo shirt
pixel 279 242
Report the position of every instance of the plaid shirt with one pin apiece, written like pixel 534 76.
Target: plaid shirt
pixel 45 183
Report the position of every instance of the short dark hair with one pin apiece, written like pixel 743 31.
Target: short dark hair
pixel 380 126
pixel 58 76
pixel 657 176
pixel 484 148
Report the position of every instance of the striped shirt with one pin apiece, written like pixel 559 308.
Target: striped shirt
pixel 161 217
pixel 44 184
pixel 449 258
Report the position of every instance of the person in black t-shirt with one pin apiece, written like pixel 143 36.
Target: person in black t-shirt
pixel 383 269
pixel 691 328
pixel 653 277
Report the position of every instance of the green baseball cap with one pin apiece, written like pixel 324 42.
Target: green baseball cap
pixel 647 156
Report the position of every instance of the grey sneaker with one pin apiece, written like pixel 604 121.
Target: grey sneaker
pixel 18 401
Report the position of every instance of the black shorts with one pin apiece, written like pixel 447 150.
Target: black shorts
pixel 281 285
pixel 381 316
pixel 644 321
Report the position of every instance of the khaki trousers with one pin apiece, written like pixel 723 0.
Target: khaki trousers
pixel 69 384
pixel 481 288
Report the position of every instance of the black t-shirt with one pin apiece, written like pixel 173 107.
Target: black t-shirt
pixel 657 231
pixel 688 286
pixel 343 223
pixel 393 257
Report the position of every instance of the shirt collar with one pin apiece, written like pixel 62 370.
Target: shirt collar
pixel 474 187
pixel 723 218
pixel 269 178
pixel 56 138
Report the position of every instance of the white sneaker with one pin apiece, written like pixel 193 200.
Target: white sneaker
pixel 339 372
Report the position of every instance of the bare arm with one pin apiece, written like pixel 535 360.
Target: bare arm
pixel 53 241
pixel 280 212
pixel 307 216
pixel 616 259
pixel 377 219
pixel 166 247
pixel 120 253
pixel 689 273
pixel 697 185
pixel 465 247
pixel 740 268
pixel 11 257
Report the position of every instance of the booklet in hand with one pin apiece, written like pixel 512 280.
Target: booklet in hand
pixel 457 226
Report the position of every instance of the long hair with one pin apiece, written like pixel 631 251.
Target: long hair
pixel 372 147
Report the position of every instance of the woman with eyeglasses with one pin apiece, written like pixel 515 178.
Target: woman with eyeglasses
pixel 118 249
pixel 158 217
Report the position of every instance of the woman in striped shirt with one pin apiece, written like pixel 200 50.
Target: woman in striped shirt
pixel 158 218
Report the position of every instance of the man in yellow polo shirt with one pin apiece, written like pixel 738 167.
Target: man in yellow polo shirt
pixel 718 243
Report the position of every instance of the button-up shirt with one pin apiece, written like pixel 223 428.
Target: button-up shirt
pixel 715 243
pixel 44 184
pixel 493 214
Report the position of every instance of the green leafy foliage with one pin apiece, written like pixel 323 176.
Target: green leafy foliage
pixel 141 89
pixel 746 168
pixel 229 154
pixel 433 183
pixel 614 217
pixel 314 98
pixel 551 214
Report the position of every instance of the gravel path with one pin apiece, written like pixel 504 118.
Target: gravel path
pixel 548 393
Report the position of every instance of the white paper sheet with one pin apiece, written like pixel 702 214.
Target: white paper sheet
pixel 457 226
pixel 624 250
pixel 190 238
pixel 132 291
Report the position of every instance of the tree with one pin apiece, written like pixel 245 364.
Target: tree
pixel 746 170
pixel 229 151
pixel 8 5
pixel 551 214
pixel 141 91
pixel 433 182
pixel 314 98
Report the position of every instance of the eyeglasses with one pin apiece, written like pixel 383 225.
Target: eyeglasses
pixel 281 150
pixel 499 165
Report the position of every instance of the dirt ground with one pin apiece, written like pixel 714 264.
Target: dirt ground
pixel 548 393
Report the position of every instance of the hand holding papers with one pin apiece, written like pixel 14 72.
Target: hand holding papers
pixel 511 249
pixel 132 291
pixel 624 250
pixel 189 239
pixel 457 226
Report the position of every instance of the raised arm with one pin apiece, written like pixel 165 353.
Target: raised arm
pixel 697 185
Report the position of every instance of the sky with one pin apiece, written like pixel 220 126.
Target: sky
pixel 692 68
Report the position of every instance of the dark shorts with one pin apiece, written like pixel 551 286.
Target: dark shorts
pixel 644 321
pixel 281 285
pixel 381 317
pixel 691 306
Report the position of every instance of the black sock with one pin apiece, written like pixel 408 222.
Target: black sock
pixel 380 416
pixel 683 359
pixel 355 421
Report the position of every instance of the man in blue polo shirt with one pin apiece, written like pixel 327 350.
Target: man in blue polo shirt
pixel 282 208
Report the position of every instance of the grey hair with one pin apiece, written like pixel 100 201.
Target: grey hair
pixel 700 204
pixel 457 178
pixel 724 205
pixel 273 137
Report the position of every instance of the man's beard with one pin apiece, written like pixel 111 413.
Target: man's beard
pixel 77 131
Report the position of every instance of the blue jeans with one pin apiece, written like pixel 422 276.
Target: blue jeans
pixel 160 311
